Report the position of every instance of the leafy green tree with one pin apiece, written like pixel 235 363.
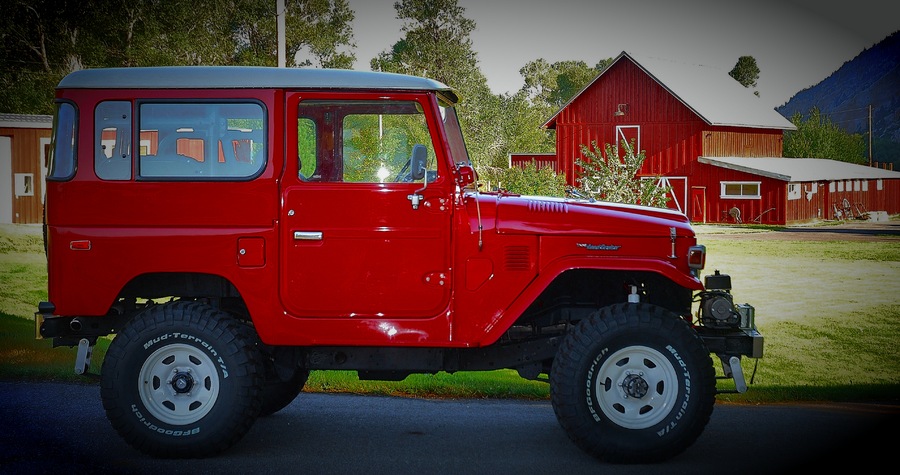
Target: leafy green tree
pixel 553 85
pixel 43 40
pixel 436 44
pixel 614 178
pixel 529 180
pixel 817 137
pixel 39 42
pixel 746 72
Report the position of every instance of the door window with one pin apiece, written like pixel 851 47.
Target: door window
pixel 361 141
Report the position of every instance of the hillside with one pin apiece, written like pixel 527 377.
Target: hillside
pixel 871 78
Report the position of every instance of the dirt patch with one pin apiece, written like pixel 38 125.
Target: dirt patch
pixel 845 231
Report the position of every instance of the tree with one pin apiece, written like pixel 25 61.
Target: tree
pixel 616 179
pixel 529 180
pixel 43 40
pixel 436 44
pixel 818 137
pixel 553 85
pixel 746 72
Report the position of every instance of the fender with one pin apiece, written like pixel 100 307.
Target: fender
pixel 504 320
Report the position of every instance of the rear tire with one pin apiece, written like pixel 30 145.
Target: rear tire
pixel 182 380
pixel 277 393
pixel 633 383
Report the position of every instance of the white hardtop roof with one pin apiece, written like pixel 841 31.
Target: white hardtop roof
pixel 800 169
pixel 236 77
pixel 712 94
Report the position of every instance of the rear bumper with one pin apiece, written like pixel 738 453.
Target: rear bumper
pixel 70 330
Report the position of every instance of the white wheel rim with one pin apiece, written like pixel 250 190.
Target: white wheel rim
pixel 636 387
pixel 178 384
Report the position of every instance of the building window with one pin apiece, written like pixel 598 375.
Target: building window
pixel 740 189
pixel 879 185
pixel 24 184
pixel 794 191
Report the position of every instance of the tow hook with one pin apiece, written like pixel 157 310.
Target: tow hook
pixel 732 369
pixel 83 357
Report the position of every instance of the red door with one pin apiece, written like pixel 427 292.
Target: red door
pixel 698 204
pixel 354 243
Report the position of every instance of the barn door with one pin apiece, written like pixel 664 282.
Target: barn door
pixel 698 204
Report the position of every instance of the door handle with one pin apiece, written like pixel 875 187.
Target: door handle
pixel 307 235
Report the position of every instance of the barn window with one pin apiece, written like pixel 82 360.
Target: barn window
pixel 879 185
pixel 794 191
pixel 865 185
pixel 740 189
pixel 628 136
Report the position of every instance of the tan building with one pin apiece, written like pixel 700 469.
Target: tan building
pixel 24 147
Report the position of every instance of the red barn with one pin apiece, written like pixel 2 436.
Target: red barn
pixel 715 144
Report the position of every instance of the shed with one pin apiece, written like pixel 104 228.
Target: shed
pixel 24 148
pixel 540 160
pixel 811 188
pixel 683 116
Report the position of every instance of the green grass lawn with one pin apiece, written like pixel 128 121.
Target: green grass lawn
pixel 829 311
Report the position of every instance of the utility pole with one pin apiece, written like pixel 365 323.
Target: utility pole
pixel 870 135
pixel 279 13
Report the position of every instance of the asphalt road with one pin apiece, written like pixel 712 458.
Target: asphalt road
pixel 61 428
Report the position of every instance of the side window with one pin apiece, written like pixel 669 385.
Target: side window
pixel 307 143
pixel 361 141
pixel 201 141
pixel 62 156
pixel 377 145
pixel 112 140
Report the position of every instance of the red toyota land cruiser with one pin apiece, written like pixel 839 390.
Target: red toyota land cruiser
pixel 235 228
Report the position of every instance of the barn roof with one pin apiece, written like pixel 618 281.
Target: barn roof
pixel 717 98
pixel 800 169
pixel 26 121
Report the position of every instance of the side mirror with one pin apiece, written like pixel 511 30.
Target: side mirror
pixel 465 175
pixel 418 162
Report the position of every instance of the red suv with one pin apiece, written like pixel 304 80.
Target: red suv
pixel 235 228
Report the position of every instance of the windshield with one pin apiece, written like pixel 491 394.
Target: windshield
pixel 454 135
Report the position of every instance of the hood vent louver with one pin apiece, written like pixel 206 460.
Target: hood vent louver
pixel 538 206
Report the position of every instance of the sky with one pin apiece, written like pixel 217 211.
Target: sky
pixel 796 43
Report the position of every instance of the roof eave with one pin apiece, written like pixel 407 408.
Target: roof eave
pixel 740 168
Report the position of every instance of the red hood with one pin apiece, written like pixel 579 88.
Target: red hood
pixel 555 216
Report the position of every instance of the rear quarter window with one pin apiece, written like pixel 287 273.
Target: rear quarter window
pixel 62 150
pixel 201 141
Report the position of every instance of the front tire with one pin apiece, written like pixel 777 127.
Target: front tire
pixel 182 380
pixel 633 383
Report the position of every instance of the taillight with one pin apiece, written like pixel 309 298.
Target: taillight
pixel 697 257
